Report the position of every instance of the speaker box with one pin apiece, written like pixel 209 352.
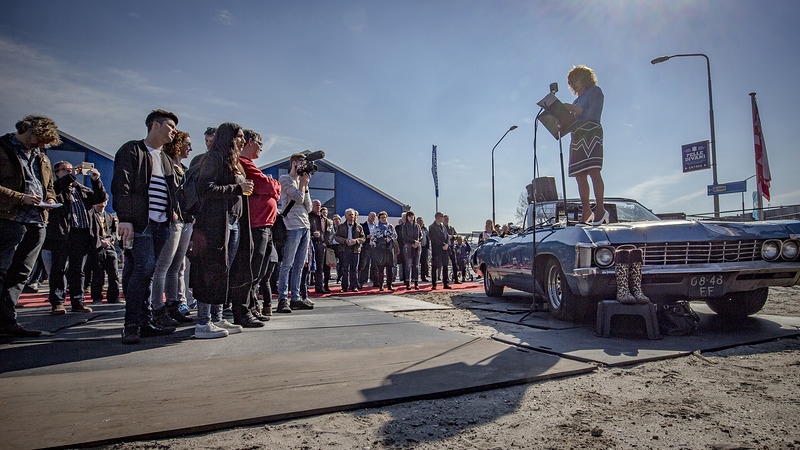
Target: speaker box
pixel 543 189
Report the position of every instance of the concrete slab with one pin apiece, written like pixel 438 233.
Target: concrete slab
pixel 714 333
pixel 141 402
pixel 395 303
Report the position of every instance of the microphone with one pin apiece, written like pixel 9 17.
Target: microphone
pixel 313 156
pixel 553 87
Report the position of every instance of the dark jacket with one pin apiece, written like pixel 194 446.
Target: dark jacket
pixel 96 230
pixel 210 278
pixel 411 232
pixel 61 218
pixel 438 236
pixel 358 235
pixel 324 226
pixel 133 168
pixel 12 181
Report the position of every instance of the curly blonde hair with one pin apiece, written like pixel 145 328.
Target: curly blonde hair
pixel 582 73
pixel 43 127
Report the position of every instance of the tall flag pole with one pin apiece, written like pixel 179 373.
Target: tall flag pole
pixel 763 176
pixel 435 173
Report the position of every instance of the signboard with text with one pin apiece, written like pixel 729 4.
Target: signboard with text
pixel 695 156
pixel 727 188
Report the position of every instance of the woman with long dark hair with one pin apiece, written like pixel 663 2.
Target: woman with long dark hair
pixel 221 244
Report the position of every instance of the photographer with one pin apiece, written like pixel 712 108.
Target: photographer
pixel 294 191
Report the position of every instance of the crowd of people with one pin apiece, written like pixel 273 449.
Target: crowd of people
pixel 222 258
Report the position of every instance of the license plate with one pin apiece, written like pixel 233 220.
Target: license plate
pixel 710 285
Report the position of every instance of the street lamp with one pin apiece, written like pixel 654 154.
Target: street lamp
pixel 513 127
pixel 711 116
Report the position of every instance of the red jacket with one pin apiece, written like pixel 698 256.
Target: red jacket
pixel 266 193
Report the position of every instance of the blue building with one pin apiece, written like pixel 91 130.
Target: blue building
pixel 75 151
pixel 338 190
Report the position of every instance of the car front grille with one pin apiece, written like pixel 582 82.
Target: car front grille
pixel 664 253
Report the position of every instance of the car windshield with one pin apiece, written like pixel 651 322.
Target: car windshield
pixel 547 213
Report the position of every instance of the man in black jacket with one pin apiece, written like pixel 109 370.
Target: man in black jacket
pixel 26 182
pixel 439 238
pixel 143 190
pixel 69 234
pixel 320 236
pixel 104 236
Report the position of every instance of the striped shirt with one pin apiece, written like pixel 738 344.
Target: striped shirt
pixel 157 190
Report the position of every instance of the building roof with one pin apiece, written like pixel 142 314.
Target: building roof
pixel 339 169
pixel 72 138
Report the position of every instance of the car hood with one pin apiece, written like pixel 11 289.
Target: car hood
pixel 684 231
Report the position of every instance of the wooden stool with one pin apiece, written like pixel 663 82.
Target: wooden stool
pixel 607 309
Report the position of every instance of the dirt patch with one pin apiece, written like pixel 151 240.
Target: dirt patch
pixel 744 397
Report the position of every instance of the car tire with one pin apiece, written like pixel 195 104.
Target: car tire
pixel 739 304
pixel 489 286
pixel 563 303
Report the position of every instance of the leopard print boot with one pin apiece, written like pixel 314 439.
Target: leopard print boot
pixel 622 270
pixel 635 277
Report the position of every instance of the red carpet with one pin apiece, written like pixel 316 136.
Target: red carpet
pixel 40 298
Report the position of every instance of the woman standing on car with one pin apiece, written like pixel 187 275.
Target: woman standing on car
pixel 586 148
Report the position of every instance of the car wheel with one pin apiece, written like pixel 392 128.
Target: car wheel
pixel 739 304
pixel 563 302
pixel 492 290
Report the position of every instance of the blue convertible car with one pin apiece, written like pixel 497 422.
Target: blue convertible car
pixel 729 265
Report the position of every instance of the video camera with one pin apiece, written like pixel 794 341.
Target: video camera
pixel 307 165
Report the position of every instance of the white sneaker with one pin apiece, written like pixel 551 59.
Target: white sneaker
pixel 229 327
pixel 209 331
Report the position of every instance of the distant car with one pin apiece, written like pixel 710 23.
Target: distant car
pixel 729 265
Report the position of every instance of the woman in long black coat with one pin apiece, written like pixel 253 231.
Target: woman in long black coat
pixel 221 241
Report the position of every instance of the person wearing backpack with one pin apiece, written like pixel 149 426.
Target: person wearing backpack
pixel 221 244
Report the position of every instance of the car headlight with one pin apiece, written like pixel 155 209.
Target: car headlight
pixel 790 250
pixel 770 250
pixel 604 256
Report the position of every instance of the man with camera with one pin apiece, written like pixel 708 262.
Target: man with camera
pixel 296 198
pixel 69 233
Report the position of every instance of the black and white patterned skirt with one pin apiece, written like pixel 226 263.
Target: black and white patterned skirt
pixel 586 148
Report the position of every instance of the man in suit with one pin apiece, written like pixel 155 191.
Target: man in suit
pixel 104 236
pixel 319 231
pixel 351 236
pixel 440 247
pixel 366 270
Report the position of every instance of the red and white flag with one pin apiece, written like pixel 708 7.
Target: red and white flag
pixel 762 163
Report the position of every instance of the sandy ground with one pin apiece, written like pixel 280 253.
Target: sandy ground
pixel 745 397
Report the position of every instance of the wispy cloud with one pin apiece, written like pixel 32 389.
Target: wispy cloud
pixel 224 17
pixel 134 15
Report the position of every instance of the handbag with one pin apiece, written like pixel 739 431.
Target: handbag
pixel 279 227
pixel 330 257
pixel 677 319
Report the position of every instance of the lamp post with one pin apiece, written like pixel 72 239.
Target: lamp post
pixel 513 127
pixel 711 117
pixel 745 180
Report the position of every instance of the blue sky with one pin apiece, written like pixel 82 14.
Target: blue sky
pixel 375 83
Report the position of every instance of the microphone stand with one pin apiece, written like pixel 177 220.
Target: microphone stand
pixel 533 308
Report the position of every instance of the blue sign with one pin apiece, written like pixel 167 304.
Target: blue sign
pixel 727 188
pixel 695 156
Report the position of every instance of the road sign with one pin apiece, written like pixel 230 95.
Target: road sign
pixel 695 156
pixel 727 188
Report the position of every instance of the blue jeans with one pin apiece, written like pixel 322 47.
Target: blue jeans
pixel 19 246
pixel 166 279
pixel 295 253
pixel 137 275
